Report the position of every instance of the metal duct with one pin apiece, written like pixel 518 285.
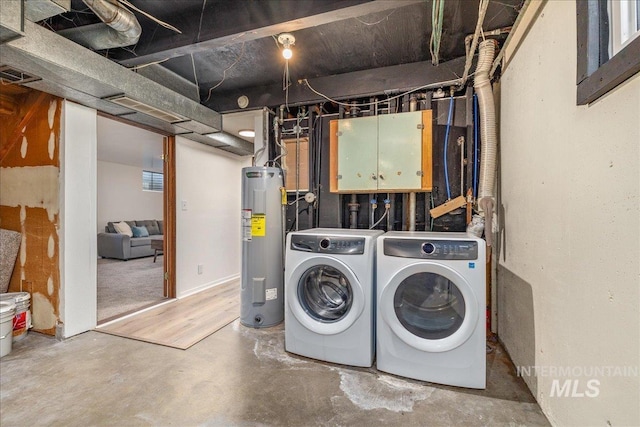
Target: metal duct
pixel 70 71
pixel 120 28
pixel 11 21
pixel 37 10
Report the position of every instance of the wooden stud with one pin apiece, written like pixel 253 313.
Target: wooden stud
pixel 427 149
pixel 448 206
pixel 17 133
pixel 170 216
pixel 333 156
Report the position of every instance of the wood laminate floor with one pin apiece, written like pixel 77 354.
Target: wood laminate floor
pixel 184 322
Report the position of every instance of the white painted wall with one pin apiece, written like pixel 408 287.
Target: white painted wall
pixel 570 192
pixel 208 230
pixel 120 195
pixel 78 242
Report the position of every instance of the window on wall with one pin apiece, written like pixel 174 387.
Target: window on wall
pixel 625 23
pixel 608 46
pixel 152 181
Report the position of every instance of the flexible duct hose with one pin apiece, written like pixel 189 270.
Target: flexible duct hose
pixel 482 85
pixel 127 29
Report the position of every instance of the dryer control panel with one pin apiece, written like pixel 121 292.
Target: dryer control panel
pixel 431 249
pixel 327 244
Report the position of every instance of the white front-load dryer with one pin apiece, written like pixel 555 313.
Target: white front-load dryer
pixel 330 295
pixel 431 307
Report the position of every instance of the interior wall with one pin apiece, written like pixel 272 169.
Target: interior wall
pixel 121 196
pixel 29 201
pixel 78 243
pixel 208 198
pixel 568 272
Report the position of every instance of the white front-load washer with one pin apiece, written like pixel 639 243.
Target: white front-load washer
pixel 330 295
pixel 431 307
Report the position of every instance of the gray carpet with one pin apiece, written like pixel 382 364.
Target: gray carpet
pixel 124 286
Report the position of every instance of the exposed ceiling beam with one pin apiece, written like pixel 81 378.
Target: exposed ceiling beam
pixel 240 29
pixel 390 80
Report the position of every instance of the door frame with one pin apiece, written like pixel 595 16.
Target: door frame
pixel 168 202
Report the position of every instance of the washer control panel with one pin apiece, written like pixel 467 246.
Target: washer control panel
pixel 328 244
pixel 431 249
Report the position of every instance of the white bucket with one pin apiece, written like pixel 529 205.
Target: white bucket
pixel 7 312
pixel 22 318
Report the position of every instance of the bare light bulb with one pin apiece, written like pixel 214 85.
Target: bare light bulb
pixel 287 53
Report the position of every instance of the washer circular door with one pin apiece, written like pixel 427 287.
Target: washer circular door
pixel 324 295
pixel 430 307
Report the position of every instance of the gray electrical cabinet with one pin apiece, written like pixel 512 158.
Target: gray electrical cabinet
pixel 262 296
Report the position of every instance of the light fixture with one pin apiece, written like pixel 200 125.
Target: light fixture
pixel 287 40
pixel 248 133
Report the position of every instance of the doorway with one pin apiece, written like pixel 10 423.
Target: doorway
pixel 133 189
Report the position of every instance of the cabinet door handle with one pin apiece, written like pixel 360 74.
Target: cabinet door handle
pixel 381 176
pixel 373 176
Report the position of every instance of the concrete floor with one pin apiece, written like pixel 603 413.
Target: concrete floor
pixel 236 377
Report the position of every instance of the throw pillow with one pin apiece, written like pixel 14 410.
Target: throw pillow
pixel 152 226
pixel 140 231
pixel 123 228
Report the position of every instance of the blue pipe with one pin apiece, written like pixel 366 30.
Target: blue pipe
pixel 476 125
pixel 446 147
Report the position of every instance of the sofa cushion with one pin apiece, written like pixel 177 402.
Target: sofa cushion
pixel 140 241
pixel 151 225
pixel 111 228
pixel 140 231
pixel 123 228
pixel 161 226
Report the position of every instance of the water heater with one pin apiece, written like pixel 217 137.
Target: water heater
pixel 262 297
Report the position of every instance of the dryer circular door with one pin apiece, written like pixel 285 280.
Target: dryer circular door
pixel 324 295
pixel 430 307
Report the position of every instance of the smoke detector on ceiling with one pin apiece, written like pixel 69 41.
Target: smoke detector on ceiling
pixel 243 101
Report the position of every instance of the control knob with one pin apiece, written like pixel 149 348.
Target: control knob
pixel 325 243
pixel 428 248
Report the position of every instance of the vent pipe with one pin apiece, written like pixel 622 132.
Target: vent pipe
pixel 482 85
pixel 120 28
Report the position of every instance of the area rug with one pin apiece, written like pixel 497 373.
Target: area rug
pixel 182 323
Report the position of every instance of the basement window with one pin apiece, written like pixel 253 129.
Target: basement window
pixel 152 181
pixel 625 23
pixel 608 46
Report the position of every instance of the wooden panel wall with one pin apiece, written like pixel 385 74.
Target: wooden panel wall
pixel 30 195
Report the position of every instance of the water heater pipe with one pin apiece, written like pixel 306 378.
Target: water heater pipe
pixel 412 211
pixel 354 206
pixel 482 86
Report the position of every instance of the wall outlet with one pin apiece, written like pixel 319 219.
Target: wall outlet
pixel 183 203
pixel 200 266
